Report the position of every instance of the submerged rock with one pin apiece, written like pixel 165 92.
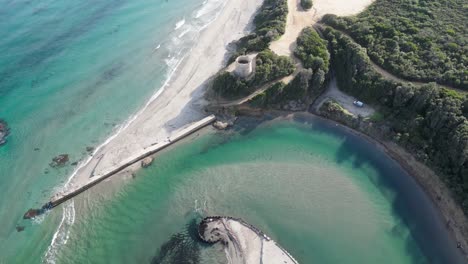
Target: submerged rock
pixel 31 213
pixel 4 131
pixel 20 228
pixel 60 160
pixel 220 125
pixel 90 149
pixel 146 162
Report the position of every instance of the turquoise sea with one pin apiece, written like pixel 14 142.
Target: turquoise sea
pixel 71 72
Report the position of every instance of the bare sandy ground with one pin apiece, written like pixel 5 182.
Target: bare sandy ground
pixel 180 103
pixel 346 101
pixel 298 19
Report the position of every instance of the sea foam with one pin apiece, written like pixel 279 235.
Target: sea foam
pixel 177 51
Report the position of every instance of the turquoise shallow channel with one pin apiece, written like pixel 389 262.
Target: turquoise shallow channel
pixel 72 72
pixel 327 196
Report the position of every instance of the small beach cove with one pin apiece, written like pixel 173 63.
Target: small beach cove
pixel 324 194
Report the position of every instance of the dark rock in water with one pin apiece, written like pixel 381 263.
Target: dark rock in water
pixel 181 248
pixel 90 149
pixel 146 162
pixel 4 131
pixel 74 163
pixel 20 228
pixel 60 160
pixel 31 213
pixel 36 149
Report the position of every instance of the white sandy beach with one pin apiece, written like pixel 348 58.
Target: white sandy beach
pixel 180 103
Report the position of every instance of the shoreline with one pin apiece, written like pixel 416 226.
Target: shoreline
pixel 180 102
pixel 440 197
pixel 184 105
pixel 433 187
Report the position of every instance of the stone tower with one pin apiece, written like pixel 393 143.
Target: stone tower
pixel 243 66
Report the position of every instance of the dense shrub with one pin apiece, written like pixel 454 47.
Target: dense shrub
pixel 270 24
pixel 270 66
pixel 429 121
pixel 312 50
pixel 421 40
pixel 227 85
pixel 306 4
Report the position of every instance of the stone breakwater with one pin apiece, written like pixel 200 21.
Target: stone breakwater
pixel 60 198
pixel 244 242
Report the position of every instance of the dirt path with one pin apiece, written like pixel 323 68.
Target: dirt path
pixel 297 20
pixel 387 74
pixel 346 101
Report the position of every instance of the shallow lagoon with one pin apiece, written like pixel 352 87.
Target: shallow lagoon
pixel 325 195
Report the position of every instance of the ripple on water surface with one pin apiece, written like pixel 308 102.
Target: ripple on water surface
pixel 316 190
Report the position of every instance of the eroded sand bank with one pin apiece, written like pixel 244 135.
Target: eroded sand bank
pixel 244 243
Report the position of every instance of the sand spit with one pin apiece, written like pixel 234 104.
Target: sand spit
pixel 244 243
pixel 180 102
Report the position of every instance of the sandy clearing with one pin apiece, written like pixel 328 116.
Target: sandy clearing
pixel 298 19
pixel 346 101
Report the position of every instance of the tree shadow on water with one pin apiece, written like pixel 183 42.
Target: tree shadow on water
pixel 428 240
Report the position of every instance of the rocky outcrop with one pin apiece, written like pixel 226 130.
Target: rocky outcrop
pixel 146 162
pixel 31 213
pixel 60 160
pixel 4 131
pixel 220 125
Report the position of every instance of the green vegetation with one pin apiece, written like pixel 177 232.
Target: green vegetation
pixel 423 40
pixel 429 121
pixel 306 4
pixel 270 24
pixel 312 50
pixel 303 89
pixel 377 117
pixel 309 83
pixel 229 86
pixel 269 67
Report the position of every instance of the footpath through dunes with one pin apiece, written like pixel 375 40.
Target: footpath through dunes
pixel 244 243
pixel 179 103
pixel 298 19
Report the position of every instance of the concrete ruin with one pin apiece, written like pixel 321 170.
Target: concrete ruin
pixel 243 243
pixel 244 67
